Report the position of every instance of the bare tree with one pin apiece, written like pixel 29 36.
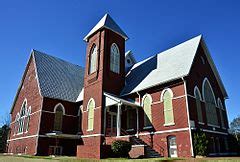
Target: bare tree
pixel 235 127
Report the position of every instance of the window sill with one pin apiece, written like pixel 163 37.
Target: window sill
pixel 128 130
pixel 201 123
pixel 89 130
pixel 19 133
pixel 147 127
pixel 212 125
pixel 169 124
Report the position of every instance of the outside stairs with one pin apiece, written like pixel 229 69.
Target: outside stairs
pixel 148 150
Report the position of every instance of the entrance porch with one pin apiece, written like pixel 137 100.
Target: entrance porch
pixel 121 117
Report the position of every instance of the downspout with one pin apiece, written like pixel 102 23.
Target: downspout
pixel 188 115
pixel 139 100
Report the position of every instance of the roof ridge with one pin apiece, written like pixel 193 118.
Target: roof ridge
pixel 34 51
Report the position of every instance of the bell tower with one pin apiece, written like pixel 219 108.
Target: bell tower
pixel 105 72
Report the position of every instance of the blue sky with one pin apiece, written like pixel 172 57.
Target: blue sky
pixel 57 27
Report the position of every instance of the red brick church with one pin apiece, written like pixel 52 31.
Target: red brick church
pixel 157 104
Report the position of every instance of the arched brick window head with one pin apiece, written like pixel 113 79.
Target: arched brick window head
pixel 59 111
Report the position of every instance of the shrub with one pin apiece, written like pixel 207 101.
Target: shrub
pixel 200 143
pixel 121 148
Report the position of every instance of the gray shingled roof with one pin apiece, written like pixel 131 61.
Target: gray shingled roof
pixel 57 78
pixel 109 23
pixel 166 66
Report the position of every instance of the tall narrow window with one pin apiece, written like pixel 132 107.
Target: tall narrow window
pixel 93 60
pixel 90 108
pixel 115 59
pixel 59 111
pixel 147 102
pixel 221 110
pixel 28 119
pixel 168 107
pixel 198 103
pixel 210 103
pixel 22 117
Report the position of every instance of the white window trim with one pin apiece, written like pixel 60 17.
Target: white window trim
pixel 203 90
pixel 28 118
pixel 163 91
pixel 162 100
pixel 91 99
pixel 90 70
pixel 143 98
pixel 196 90
pixel 111 55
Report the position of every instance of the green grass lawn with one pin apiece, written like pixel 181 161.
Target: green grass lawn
pixel 25 158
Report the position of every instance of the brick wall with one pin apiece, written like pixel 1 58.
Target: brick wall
pixel 199 71
pixel 29 90
pixel 70 119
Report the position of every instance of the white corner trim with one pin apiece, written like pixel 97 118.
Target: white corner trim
pixel 36 73
pixel 188 116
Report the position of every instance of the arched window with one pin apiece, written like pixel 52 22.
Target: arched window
pixel 147 102
pixel 221 110
pixel 59 112
pixel 93 60
pixel 168 107
pixel 115 59
pixel 210 102
pixel 22 116
pixel 90 108
pixel 198 98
